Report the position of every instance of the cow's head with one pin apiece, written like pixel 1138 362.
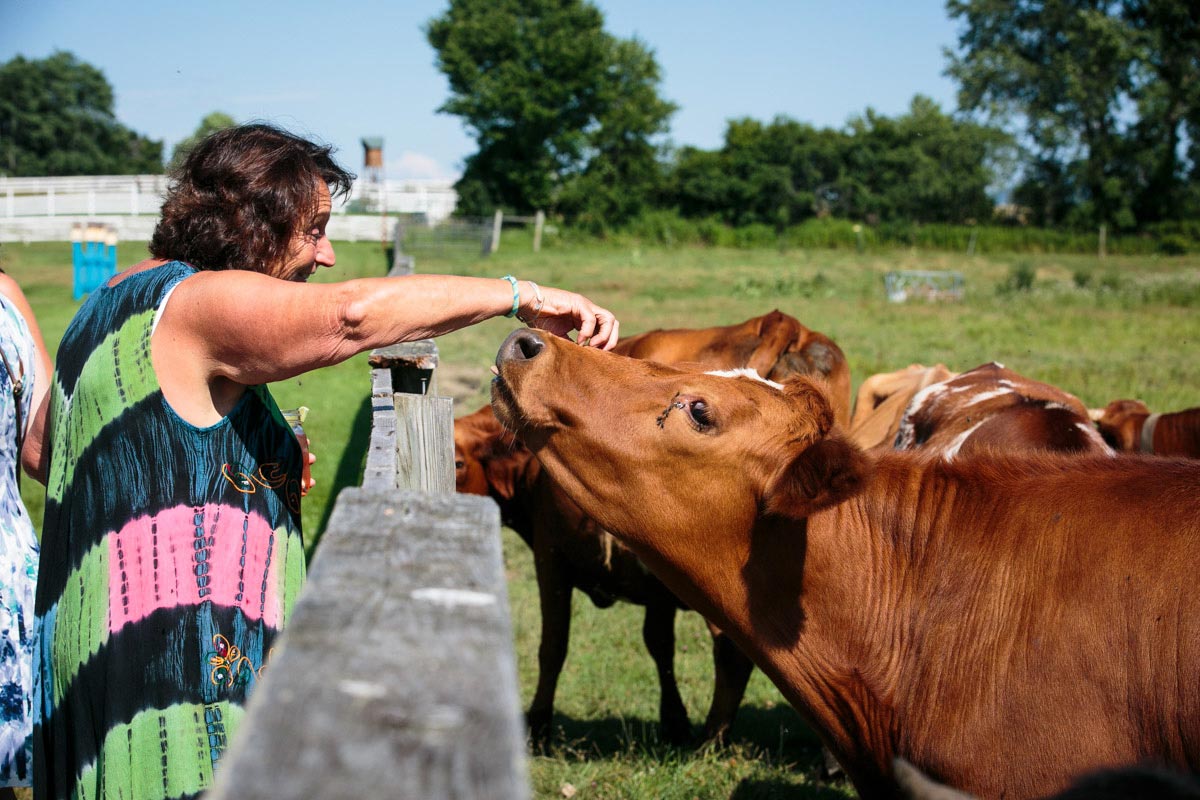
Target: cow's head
pixel 488 460
pixel 661 455
pixel 1120 423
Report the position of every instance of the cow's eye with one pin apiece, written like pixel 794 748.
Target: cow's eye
pixel 701 415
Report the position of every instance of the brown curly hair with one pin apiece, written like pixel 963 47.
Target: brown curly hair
pixel 242 195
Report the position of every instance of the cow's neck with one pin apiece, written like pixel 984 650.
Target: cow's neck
pixel 823 607
pixel 774 593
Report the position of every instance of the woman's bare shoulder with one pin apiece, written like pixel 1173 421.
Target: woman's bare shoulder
pixel 141 266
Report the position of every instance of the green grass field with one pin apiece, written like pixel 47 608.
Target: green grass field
pixel 1121 327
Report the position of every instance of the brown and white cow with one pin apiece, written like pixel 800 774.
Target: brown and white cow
pixel 1003 623
pixel 571 551
pixel 882 399
pixel 991 407
pixel 1129 426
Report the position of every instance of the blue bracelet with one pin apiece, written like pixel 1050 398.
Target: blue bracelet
pixel 516 295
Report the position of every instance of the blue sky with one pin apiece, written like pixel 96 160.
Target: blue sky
pixel 342 70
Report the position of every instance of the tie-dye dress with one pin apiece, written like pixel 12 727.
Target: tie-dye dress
pixel 18 554
pixel 172 558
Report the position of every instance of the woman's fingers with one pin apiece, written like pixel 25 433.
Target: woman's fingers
pixel 606 337
pixel 564 312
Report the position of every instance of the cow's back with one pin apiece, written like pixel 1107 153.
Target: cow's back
pixel 991 407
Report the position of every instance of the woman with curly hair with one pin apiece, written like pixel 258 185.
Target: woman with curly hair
pixel 172 549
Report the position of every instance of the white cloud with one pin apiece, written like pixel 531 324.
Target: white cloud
pixel 417 165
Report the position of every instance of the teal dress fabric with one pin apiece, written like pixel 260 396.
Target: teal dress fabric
pixel 18 554
pixel 173 558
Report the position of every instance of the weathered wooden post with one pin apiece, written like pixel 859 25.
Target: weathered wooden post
pixel 497 224
pixel 539 221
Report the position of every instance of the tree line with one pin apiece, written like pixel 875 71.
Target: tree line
pixel 1086 111
pixel 1078 112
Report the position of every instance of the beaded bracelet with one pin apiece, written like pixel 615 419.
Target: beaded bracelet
pixel 516 295
pixel 538 301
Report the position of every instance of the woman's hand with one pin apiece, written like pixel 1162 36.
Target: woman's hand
pixel 563 312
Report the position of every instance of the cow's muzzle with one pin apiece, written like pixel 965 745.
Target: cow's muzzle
pixel 521 345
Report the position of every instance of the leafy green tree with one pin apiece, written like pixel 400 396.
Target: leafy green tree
pixel 623 164
pixel 1105 91
pixel 1166 36
pixel 213 122
pixel 555 104
pixel 923 166
pixel 56 118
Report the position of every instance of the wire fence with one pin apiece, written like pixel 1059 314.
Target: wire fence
pixel 467 237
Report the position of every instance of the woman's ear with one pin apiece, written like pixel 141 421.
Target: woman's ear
pixel 825 473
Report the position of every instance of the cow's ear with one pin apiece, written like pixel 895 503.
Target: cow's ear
pixel 825 473
pixel 776 332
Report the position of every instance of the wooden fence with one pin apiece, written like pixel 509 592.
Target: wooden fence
pixel 396 676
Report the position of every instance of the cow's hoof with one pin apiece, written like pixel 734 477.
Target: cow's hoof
pixel 676 732
pixel 538 723
pixel 716 736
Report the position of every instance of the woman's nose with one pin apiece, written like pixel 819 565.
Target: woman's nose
pixel 325 254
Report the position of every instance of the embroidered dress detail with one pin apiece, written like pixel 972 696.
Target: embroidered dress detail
pixel 176 558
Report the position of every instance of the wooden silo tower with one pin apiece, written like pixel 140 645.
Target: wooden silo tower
pixel 373 160
pixel 374 189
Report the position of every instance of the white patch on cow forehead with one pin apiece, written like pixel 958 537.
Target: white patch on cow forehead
pixel 743 372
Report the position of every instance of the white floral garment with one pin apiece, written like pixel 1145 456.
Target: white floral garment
pixel 18 558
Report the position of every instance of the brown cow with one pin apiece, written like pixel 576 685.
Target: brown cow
pixel 993 407
pixel 1003 623
pixel 774 345
pixel 1129 426
pixel 571 551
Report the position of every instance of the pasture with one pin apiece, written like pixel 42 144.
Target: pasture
pixel 1100 329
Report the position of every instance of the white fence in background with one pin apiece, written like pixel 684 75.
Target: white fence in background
pixel 45 209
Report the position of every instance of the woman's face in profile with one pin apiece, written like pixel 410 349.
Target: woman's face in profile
pixel 311 248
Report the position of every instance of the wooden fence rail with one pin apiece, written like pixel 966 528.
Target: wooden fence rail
pixel 396 676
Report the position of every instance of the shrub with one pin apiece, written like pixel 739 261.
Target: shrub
pixel 1020 278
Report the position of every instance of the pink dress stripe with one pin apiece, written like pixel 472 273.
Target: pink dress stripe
pixel 186 555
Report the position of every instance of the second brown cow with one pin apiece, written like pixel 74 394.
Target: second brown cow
pixel 1129 426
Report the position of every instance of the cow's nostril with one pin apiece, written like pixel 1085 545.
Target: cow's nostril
pixel 521 345
pixel 530 345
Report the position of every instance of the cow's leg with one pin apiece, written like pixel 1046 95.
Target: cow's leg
pixel 658 632
pixel 554 593
pixel 731 673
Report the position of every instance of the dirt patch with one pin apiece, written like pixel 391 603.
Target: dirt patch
pixel 469 386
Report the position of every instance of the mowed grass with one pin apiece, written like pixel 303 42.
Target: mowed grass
pixel 1102 329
